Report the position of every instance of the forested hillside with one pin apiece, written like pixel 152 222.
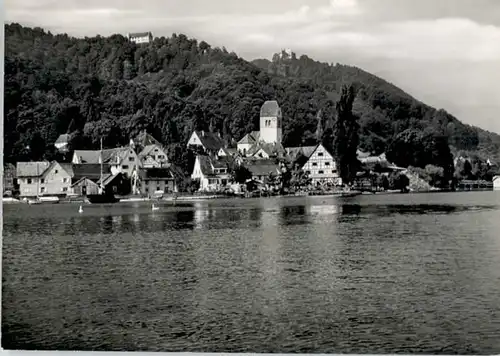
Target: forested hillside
pixel 384 110
pixel 111 88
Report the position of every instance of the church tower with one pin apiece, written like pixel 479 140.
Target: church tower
pixel 270 122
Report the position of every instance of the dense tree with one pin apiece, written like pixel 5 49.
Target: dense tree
pixel 108 87
pixel 346 136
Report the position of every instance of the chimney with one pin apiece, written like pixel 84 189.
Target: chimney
pixel 203 133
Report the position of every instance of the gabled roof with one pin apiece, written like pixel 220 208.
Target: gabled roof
pixel 90 171
pixel 270 109
pixel 207 165
pixel 250 138
pixel 68 167
pixel 87 156
pixel 140 34
pixel 305 151
pixel 156 173
pixel 144 139
pixel 262 167
pixel 31 169
pixel 269 148
pixel 148 149
pixel 64 138
pixel 210 140
pixel 229 151
pixel 111 155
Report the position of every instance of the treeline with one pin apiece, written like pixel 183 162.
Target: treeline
pixel 385 111
pixel 111 88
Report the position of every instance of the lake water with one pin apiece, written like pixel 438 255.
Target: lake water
pixel 371 274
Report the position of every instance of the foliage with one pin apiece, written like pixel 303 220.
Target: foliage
pixel 240 174
pixel 299 178
pixel 421 148
pixel 346 136
pixel 384 110
pixel 382 182
pixel 108 87
pixel 398 181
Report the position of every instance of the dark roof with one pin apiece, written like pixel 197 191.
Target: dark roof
pixel 270 148
pixel 31 169
pixel 144 139
pixel 205 165
pixel 262 167
pixel 140 34
pixel 210 140
pixel 156 173
pixel 90 171
pixel 270 109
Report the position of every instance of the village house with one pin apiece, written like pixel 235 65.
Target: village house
pixel 262 169
pixel 9 179
pixel 122 160
pixel 156 180
pixel 62 143
pixel 43 178
pixel 153 156
pixel 140 37
pixel 86 178
pixel 496 183
pixel 208 142
pixel 227 152
pixel 319 164
pixel 212 174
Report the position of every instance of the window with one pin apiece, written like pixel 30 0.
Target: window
pixel 65 189
pixel 42 181
pixel 28 180
pixel 314 164
pixel 158 188
pixel 131 159
pixel 333 170
pixel 146 189
pixel 156 150
pixel 161 156
pixel 124 167
pixel 320 154
pixel 327 163
pixel 65 180
pixel 320 172
pixel 42 190
pixel 56 171
pixel 308 172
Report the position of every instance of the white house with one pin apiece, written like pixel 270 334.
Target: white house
pixel 212 174
pixel 141 37
pixel 496 183
pixel 320 165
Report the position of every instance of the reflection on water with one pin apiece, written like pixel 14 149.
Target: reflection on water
pixel 369 274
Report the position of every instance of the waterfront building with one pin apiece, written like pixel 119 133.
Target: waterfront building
pixel 43 178
pixel 211 173
pixel 262 168
pixel 318 162
pixel 496 182
pixel 152 180
pixel 122 160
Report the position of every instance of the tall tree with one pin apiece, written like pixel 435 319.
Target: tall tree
pixel 319 129
pixel 346 136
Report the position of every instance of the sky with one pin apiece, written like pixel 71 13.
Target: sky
pixel 443 52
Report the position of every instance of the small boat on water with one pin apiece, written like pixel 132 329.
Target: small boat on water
pixel 48 200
